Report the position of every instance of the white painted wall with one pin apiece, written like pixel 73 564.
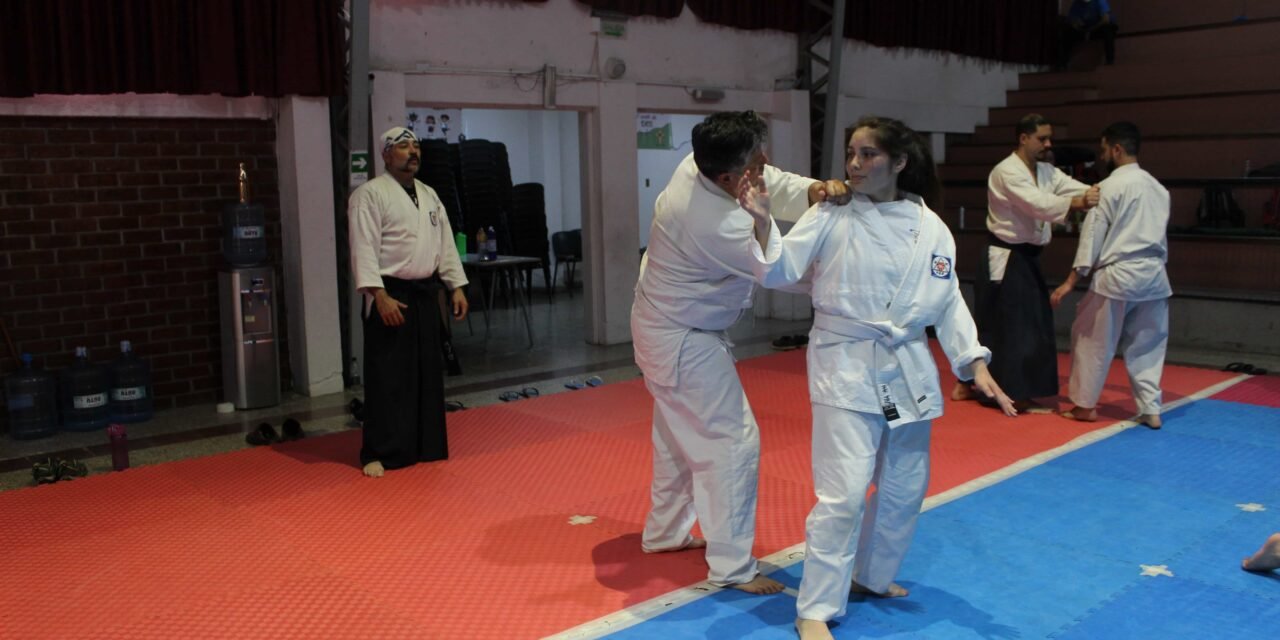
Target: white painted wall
pixel 657 165
pixel 308 240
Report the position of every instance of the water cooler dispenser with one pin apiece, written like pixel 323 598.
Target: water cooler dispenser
pixel 247 297
pixel 250 357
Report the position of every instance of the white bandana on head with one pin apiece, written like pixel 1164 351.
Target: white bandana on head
pixel 396 135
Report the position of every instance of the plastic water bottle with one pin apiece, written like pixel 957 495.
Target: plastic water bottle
pixel 491 248
pixel 84 388
pixel 32 397
pixel 119 447
pixel 130 387
pixel 482 244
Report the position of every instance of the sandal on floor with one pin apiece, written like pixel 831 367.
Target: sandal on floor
pixel 264 434
pixel 510 396
pixel 70 469
pixel 575 384
pixel 45 471
pixel 594 381
pixel 291 430
pixel 453 405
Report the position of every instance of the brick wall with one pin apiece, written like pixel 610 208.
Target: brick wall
pixel 111 231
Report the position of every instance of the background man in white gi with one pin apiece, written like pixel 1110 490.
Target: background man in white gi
pixel 1025 196
pixel 1123 246
pixel 402 253
pixel 695 281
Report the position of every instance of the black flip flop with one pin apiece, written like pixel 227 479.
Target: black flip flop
pixel 453 405
pixel 264 434
pixel 291 430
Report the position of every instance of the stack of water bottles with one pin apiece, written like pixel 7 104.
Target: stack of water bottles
pixel 83 397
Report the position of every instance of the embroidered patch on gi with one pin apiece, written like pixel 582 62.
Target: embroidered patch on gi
pixel 941 267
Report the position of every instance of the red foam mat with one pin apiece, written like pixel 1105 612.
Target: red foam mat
pixel 532 526
pixel 1260 390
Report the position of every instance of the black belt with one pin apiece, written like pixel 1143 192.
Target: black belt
pixel 426 285
pixel 1022 248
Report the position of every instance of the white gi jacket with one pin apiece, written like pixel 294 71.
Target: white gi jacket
pixel 1123 239
pixel 390 237
pixel 696 272
pixel 1021 210
pixel 873 296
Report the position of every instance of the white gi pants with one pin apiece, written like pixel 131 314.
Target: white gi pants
pixel 1139 329
pixel 849 536
pixel 706 458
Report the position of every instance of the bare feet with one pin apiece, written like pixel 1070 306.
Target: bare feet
pixel 694 543
pixel 1080 413
pixel 813 629
pixel 895 590
pixel 963 391
pixel 1267 558
pixel 760 585
pixel 1152 421
pixel 374 469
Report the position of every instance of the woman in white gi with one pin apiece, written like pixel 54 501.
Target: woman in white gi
pixel 882 269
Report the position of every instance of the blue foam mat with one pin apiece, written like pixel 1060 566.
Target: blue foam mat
pixel 1056 551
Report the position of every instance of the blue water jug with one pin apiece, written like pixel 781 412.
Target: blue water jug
pixel 83 392
pixel 244 236
pixel 130 387
pixel 32 397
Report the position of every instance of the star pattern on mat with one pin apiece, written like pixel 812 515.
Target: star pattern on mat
pixel 577 520
pixel 1251 507
pixel 1156 570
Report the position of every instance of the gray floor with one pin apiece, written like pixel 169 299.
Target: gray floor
pixel 503 362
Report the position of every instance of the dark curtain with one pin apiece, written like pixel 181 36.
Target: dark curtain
pixel 230 47
pixel 1021 31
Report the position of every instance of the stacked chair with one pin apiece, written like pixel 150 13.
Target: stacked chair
pixel 473 179
pixel 528 221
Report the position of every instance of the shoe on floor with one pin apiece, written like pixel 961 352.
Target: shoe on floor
pixel 264 434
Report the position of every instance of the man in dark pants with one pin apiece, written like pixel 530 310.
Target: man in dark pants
pixel 1025 196
pixel 1084 20
pixel 402 254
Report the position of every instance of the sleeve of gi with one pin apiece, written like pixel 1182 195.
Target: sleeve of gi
pixel 954 326
pixel 797 250
pixel 1028 199
pixel 364 225
pixel 788 193
pixel 1092 234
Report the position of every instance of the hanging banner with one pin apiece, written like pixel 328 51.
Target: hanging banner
pixel 653 131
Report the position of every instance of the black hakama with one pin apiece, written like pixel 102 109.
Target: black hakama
pixel 404 380
pixel 1015 321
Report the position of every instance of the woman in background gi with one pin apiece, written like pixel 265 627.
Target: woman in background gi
pixel 881 269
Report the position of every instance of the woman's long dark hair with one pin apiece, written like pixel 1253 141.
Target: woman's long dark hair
pixel 898 140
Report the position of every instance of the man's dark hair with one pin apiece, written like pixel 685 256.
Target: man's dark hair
pixel 1029 124
pixel 725 142
pixel 1124 134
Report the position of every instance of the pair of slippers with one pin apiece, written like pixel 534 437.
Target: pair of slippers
pixel 266 434
pixel 787 343
pixel 575 384
pixel 51 470
pixel 511 396
pixel 1245 367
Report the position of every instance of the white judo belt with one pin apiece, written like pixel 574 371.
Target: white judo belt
pixel 893 339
